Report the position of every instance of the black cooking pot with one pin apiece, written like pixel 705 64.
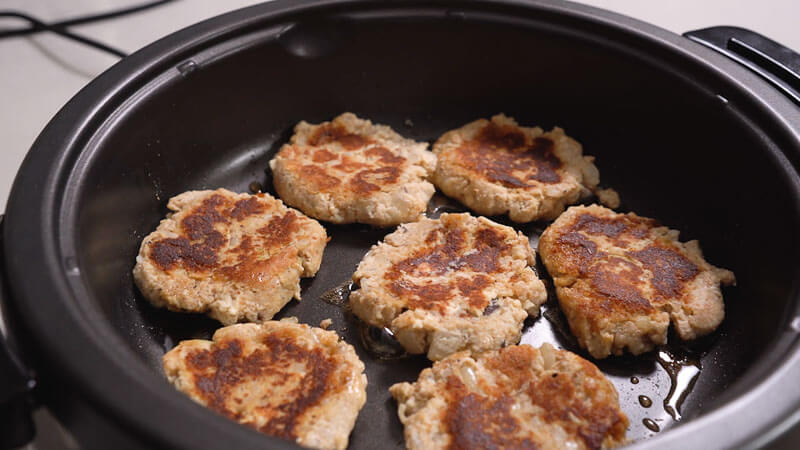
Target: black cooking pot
pixel 684 134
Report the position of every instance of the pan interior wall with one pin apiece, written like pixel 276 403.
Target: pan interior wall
pixel 671 149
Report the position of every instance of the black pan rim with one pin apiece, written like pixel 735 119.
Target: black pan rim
pixel 97 369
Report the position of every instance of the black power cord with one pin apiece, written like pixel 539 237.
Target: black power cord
pixel 60 28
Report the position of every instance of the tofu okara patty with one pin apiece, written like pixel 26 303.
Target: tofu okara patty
pixel 455 283
pixel 349 170
pixel 515 397
pixel 496 167
pixel 234 256
pixel 284 379
pixel 621 278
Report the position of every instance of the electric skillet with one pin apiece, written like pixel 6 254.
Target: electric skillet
pixel 708 144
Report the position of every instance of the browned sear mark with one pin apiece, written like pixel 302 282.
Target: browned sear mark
pixel 364 167
pixel 199 250
pixel 578 249
pixel 616 228
pixel 477 422
pixel 319 177
pixel 247 207
pixel 370 180
pixel 498 136
pixel 618 279
pixel 167 253
pixel 328 133
pixel 244 248
pixel 622 279
pixel 275 237
pixel 427 296
pixel 257 271
pixel 556 395
pixel 671 270
pixel 322 156
pixel 309 391
pixel 385 156
pixel 278 232
pixel 433 261
pixel 199 225
pixel 502 154
pixel 489 244
pixel 452 255
pixel 218 372
pixel 473 288
pixel 348 164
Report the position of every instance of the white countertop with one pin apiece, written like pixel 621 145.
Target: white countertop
pixel 38 74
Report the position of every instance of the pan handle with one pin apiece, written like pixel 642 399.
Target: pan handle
pixel 16 380
pixel 777 64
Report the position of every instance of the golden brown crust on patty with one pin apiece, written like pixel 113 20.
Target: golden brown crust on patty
pixel 515 397
pixel 445 285
pixel 349 170
pixel 234 256
pixel 284 379
pixel 621 279
pixel 497 167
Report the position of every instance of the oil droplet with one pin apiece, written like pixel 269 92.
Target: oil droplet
pixel 683 372
pixel 380 342
pixel 645 401
pixel 440 204
pixel 339 295
pixel 652 426
pixel 634 380
pixel 255 187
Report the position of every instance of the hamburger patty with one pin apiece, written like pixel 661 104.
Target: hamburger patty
pixel 455 283
pixel 516 397
pixel 621 279
pixel 234 256
pixel 349 170
pixel 496 167
pixel 284 379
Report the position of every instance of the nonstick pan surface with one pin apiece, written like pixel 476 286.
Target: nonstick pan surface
pixel 651 386
pixel 211 110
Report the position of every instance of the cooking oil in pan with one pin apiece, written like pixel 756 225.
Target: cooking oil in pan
pixel 665 376
pixel 440 204
pixel 651 425
pixel 338 295
pixel 255 187
pixel 380 342
pixel 683 372
pixel 661 378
